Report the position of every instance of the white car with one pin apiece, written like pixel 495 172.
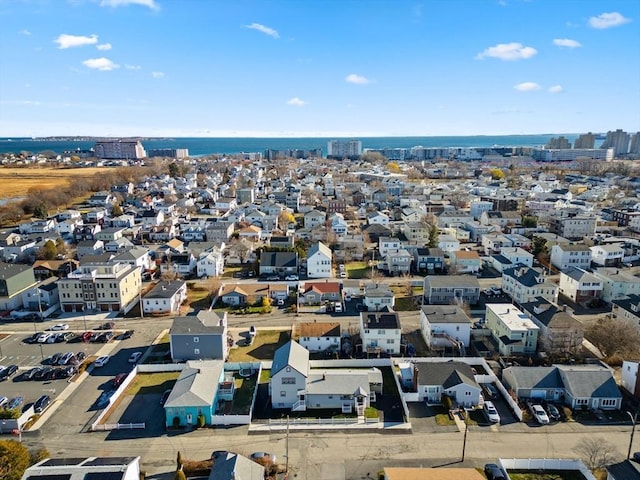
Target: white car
pixel 60 326
pixel 101 361
pixel 490 412
pixel 43 337
pixel 539 414
pixel 291 277
pixel 135 356
pixel 337 307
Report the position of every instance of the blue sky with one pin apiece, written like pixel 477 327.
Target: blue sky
pixel 318 68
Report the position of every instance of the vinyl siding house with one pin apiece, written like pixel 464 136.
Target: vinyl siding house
pixel 524 284
pixel 429 260
pixel 314 293
pixel 378 297
pixel 465 262
pixel 199 337
pixel 232 466
pixel 513 331
pixel 14 280
pixel 627 309
pixel 432 380
pixel 380 332
pixel 617 284
pixel 289 372
pixel 165 298
pixel 396 262
pixel 447 290
pixel 565 256
pixel 445 326
pixel 608 255
pixel 580 285
pixel 577 386
pixel 319 336
pixel 560 333
pixel 319 259
pixel 194 393
pixel 281 263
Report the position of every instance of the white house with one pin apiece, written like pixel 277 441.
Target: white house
pixel 524 284
pixel 319 260
pixel 513 331
pixel 445 326
pixel 629 376
pixel 608 255
pixel 380 332
pixel 517 255
pixel 314 218
pixel 448 244
pixel 432 380
pixel 580 285
pixel 388 243
pixel 210 264
pixel 165 298
pixel 378 297
pixel 289 372
pixel 339 224
pixel 319 336
pixel 378 218
pixel 564 256
pixel 617 283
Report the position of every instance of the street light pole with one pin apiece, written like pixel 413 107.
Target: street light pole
pixel 464 439
pixel 633 430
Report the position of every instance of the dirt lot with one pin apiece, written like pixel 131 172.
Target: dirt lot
pixel 17 181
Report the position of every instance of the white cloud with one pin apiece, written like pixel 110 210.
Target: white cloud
pixel 103 64
pixel 264 29
pixel 104 46
pixel 123 3
pixel 555 89
pixel 508 51
pixel 527 87
pixel 132 67
pixel 25 32
pixel 608 20
pixel 357 79
pixel 157 74
pixel 566 42
pixel 296 102
pixel 68 41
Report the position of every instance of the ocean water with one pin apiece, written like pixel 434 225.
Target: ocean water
pixel 205 146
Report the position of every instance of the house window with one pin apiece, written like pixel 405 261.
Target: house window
pixel 390 340
pixel 288 380
pixel 608 402
pixel 196 351
pixel 283 393
pixel 196 339
pixel 288 369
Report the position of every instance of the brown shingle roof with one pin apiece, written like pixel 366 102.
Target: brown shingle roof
pixel 319 329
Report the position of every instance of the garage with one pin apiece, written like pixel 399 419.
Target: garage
pixel 538 394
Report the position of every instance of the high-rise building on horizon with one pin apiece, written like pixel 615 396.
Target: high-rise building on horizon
pixel 120 149
pixel 618 140
pixel 560 143
pixel 169 152
pixel 635 144
pixel 344 148
pixel 586 140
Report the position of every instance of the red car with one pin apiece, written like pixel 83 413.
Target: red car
pixel 86 336
pixel 117 381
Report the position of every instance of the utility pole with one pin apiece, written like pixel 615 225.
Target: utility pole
pixel 286 446
pixel 464 439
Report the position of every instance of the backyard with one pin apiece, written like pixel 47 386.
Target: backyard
pixel 551 475
pixel 264 345
pixel 145 383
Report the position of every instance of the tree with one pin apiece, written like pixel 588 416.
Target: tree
pixel 48 251
pixel 614 336
pixel 285 218
pixel 40 211
pixel 14 459
pixel 539 247
pixel 174 170
pixel 117 210
pixel 61 247
pixel 496 174
pixel 596 452
pixel 530 222
pixel 393 167
pixel 433 236
pixel 265 302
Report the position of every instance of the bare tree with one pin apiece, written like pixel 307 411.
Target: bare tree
pixel 596 452
pixel 614 336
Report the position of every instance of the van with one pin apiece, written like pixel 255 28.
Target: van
pixel 338 307
pixel 490 412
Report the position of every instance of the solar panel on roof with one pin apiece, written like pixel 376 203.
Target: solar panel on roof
pixel 57 462
pixel 104 476
pixel 109 461
pixel 49 476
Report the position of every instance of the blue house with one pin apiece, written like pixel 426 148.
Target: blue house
pixel 195 393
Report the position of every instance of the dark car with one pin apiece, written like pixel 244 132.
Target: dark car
pixel 68 336
pixel 636 457
pixel 7 372
pixel 104 337
pixel 33 338
pixel 69 371
pixel 103 401
pixel 30 374
pixel 42 403
pixel 493 472
pixel 107 326
pixel 553 412
pixel 15 403
pixel 78 358
pixel 117 381
pixel 127 334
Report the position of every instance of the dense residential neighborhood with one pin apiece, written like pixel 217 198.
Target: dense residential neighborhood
pixel 380 294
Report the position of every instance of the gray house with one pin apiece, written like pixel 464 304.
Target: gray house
pixel 231 466
pixel 199 337
pixel 451 289
pixel 578 386
pixel 281 263
pixel 289 372
pixel 432 380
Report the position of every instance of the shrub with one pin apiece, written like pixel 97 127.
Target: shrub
pixel 614 360
pixel 447 402
pixel 200 421
pixel 179 475
pixel 13 413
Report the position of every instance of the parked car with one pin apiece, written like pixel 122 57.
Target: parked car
pixel 107 326
pixel 490 412
pixel 104 398
pixel 263 455
pixel 337 307
pixel 493 472
pixel 636 457
pixel 553 412
pixel 66 358
pixel 69 371
pixel 43 337
pixel 134 357
pixel 33 338
pixel 118 379
pixel 273 278
pixel 490 391
pixel 68 336
pixel 86 336
pixel 343 274
pixel 80 356
pixel 291 277
pixel 60 326
pixel 8 371
pixel 101 361
pixel 347 298
pixel 42 403
pixel 539 414
pixel 30 374
pixel 15 403
pixel 127 334
pixel 3 401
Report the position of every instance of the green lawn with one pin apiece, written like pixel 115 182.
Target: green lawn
pixel 243 394
pixel 145 383
pixel 357 270
pixel 405 304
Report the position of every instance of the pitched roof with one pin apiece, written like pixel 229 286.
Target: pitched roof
pixel 205 322
pixel 420 473
pixel 165 289
pixel 319 247
pixel 448 374
pixel 591 381
pixel 279 259
pixel 291 354
pixel 197 384
pixel 235 467
pixel 534 377
pixel 322 287
pixel 319 329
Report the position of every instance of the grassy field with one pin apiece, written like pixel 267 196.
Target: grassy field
pixel 152 382
pixel 17 181
pixel 263 347
pixel 357 270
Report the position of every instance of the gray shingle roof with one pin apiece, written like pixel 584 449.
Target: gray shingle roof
pixel 446 374
pixel 236 467
pixel 291 354
pixel 534 377
pixel 165 289
pixel 589 381
pixel 197 384
pixel 445 314
pixel 204 322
